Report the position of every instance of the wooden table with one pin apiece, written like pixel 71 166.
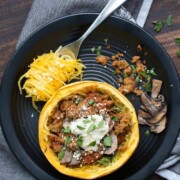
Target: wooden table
pixel 14 12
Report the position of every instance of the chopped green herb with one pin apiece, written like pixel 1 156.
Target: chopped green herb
pixel 177 41
pixel 105 161
pixel 147 133
pixel 125 75
pixel 169 20
pixel 67 140
pixel 147 87
pixel 117 109
pixel 144 74
pixel 114 118
pixel 92 118
pixel 79 141
pixel 100 124
pixel 80 127
pixel 61 154
pixel 178 53
pixel 67 130
pixel 152 72
pixel 137 79
pixel 91 128
pixel 149 78
pixel 91 102
pixel 93 49
pixel 98 52
pixel 158 25
pixel 107 141
pixel 106 40
pixel 133 68
pixel 86 121
pixel 92 143
pixel 114 72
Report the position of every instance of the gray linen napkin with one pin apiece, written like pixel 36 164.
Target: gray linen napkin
pixel 44 11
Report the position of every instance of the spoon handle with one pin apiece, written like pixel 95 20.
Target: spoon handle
pixel 111 6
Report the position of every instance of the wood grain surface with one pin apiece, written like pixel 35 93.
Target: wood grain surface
pixel 13 14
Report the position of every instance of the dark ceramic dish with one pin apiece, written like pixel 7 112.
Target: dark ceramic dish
pixel 20 121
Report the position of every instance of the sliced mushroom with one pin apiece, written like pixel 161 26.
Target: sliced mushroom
pixel 114 145
pixel 143 114
pixel 150 107
pixel 111 125
pixel 74 162
pixel 159 127
pixel 158 101
pixel 158 116
pixel 143 121
pixel 156 87
pixel 67 157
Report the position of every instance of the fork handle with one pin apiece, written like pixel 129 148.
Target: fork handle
pixel 111 6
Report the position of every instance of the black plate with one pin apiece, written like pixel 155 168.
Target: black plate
pixel 20 121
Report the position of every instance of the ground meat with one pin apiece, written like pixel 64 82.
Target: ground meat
pixel 128 70
pixel 78 106
pixel 55 126
pixel 122 124
pixel 55 142
pixel 102 59
pixel 139 48
pixel 121 137
pixel 120 64
pixel 129 85
pixel 135 59
pixel 65 104
pixel 72 111
pixel 140 67
pixel 90 158
pixel 73 145
pixel 116 56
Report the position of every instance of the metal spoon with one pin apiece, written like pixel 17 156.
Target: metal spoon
pixel 72 49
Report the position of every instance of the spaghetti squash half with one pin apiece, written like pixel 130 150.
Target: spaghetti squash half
pixel 88 129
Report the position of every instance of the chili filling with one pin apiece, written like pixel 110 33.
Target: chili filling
pixel 88 127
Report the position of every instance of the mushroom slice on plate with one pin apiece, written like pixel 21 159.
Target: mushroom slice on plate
pixel 159 127
pixel 159 115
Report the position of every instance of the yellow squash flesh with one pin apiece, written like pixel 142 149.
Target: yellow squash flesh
pixel 88 171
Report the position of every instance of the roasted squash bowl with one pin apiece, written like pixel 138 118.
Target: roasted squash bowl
pixel 91 171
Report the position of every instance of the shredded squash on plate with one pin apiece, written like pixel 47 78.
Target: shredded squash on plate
pixel 48 73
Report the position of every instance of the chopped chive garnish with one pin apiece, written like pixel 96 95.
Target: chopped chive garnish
pixel 61 154
pixel 114 72
pixel 100 124
pixel 106 40
pixel 169 20
pixel 93 49
pixel 137 79
pixel 91 102
pixel 80 127
pixel 133 68
pixel 114 118
pixel 105 161
pixel 67 130
pixel 147 133
pixel 152 72
pixel 79 141
pixel 67 140
pixel 86 121
pixel 92 143
pixel 107 141
pixel 91 128
pixel 147 87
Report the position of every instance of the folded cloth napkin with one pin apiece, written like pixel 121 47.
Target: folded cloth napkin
pixel 42 12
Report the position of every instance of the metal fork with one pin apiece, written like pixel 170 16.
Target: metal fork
pixel 72 49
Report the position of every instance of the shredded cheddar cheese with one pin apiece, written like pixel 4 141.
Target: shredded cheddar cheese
pixel 48 73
